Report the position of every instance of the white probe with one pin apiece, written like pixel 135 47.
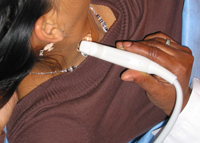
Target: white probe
pixel 139 63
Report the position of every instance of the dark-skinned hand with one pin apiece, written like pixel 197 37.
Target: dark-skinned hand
pixel 174 57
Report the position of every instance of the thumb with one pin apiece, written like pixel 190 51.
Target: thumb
pixel 159 92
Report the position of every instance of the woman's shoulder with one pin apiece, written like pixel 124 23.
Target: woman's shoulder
pixel 30 82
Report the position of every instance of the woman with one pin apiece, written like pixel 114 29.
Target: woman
pixel 91 103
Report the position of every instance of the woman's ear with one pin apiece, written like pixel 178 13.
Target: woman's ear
pixel 47 30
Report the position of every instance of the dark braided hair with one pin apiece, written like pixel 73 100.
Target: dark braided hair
pixel 17 20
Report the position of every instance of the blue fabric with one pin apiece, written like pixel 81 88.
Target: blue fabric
pixel 148 137
pixel 5 141
pixel 191 32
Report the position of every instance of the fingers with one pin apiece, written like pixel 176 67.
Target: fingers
pixel 160 94
pixel 174 57
pixel 149 49
pixel 156 50
pixel 162 38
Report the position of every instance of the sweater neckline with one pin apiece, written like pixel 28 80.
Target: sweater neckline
pixel 73 85
pixel 90 66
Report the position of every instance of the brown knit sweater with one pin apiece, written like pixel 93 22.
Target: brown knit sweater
pixel 92 104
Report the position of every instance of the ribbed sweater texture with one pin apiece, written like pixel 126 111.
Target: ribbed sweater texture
pixel 92 104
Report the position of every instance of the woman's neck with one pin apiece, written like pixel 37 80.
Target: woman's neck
pixel 65 52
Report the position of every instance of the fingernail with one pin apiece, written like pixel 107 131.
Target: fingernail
pixel 119 45
pixel 127 44
pixel 131 79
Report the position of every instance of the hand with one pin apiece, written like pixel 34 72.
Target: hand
pixel 174 57
pixel 6 111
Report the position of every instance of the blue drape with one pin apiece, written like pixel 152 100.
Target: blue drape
pixel 191 32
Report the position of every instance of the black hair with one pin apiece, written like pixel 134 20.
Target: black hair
pixel 17 20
